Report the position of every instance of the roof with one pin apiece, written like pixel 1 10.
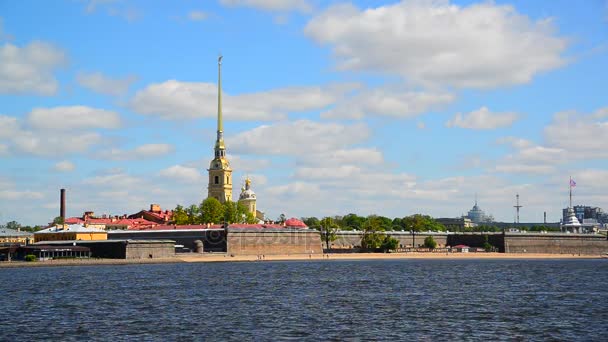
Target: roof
pixel 7 232
pixel 177 227
pixel 461 246
pixel 110 221
pixel 294 222
pixel 70 228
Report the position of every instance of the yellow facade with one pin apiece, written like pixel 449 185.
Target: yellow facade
pixel 14 239
pixel 69 233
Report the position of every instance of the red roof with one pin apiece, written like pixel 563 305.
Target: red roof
pixel 111 221
pixel 461 246
pixel 294 222
pixel 178 227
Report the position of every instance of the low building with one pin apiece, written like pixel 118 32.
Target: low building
pixel 456 224
pixel 123 249
pixel 155 214
pixel 70 232
pixel 8 235
pixel 111 222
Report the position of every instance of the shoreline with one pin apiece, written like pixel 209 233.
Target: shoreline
pixel 196 258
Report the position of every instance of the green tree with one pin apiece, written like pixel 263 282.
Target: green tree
pixel 282 218
pixel 58 220
pixel 194 214
pixel 429 242
pixel 373 234
pixel 312 222
pixel 422 223
pixel 13 225
pixel 180 216
pixel 212 211
pixel 352 221
pixel 389 243
pixel 235 212
pixel 329 230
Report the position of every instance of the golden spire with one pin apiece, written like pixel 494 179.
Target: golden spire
pixel 220 149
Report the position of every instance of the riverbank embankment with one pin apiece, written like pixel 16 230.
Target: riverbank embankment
pixel 219 257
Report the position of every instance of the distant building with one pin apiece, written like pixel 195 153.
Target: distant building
pixel 155 214
pixel 247 197
pixel 584 212
pixel 456 224
pixel 8 235
pixel 478 216
pixel 70 232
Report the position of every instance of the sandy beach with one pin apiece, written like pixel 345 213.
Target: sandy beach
pixel 190 258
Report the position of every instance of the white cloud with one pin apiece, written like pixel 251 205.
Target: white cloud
pixel 482 119
pixel 64 166
pixel 3 150
pixel 197 15
pixel 434 42
pixel 19 195
pixel 183 174
pixel 525 169
pixel 29 69
pixel 55 144
pixel 73 117
pixel 188 100
pixel 515 142
pixel 105 85
pixel 272 5
pixel 298 138
pixel 386 101
pixel 145 151
pixel 8 126
pixel 582 136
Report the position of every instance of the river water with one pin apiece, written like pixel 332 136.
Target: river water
pixel 326 300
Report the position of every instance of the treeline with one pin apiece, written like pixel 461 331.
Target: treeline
pixel 212 211
pixel 17 226
pixel 417 223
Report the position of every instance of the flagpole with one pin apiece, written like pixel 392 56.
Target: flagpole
pixel 570 184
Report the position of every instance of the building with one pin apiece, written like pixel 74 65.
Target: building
pixel 571 222
pixel 88 220
pixel 155 214
pixel 456 224
pixel 585 212
pixel 476 215
pixel 70 232
pixel 247 197
pixel 8 235
pixel 220 173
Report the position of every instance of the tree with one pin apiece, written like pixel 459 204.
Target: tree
pixel 212 211
pixel 429 242
pixel 352 221
pixel 180 216
pixel 389 243
pixel 329 230
pixel 421 223
pixel 235 212
pixel 13 225
pixel 282 218
pixel 312 222
pixel 58 220
pixel 372 233
pixel 194 214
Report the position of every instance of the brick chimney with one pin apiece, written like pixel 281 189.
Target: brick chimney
pixel 62 204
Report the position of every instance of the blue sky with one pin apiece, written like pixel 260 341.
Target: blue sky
pixel 385 107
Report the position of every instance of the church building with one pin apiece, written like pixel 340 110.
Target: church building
pixel 220 173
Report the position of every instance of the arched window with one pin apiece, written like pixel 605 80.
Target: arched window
pixel 227 180
pixel 217 180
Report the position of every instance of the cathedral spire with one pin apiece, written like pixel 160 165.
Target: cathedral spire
pixel 220 149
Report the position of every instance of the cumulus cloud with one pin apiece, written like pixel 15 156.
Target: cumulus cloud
pixel 187 100
pixel 29 69
pixel 145 151
pixel 386 101
pixel 271 5
pixel 482 119
pixel 8 126
pixel 102 84
pixel 298 138
pixel 64 166
pixel 434 42
pixel 72 117
pixel 584 136
pixel 182 174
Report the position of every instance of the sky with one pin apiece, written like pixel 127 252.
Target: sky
pixel 330 107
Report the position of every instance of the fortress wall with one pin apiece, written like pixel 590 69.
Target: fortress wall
pixel 268 242
pixel 350 239
pixel 587 244
pixel 213 240
pixel 149 250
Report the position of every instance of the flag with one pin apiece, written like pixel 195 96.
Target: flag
pixel 572 183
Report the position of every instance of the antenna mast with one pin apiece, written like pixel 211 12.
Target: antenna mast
pixel 517 206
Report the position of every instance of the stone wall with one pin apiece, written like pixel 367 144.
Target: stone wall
pixel 149 249
pixel 586 244
pixel 352 239
pixel 273 241
pixel 214 240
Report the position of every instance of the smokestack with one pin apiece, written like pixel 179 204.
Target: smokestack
pixel 545 217
pixel 62 205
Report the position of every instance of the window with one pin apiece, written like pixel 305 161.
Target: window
pixel 217 180
pixel 227 180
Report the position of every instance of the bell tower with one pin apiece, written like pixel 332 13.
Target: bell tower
pixel 220 173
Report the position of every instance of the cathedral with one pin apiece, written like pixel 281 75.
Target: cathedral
pixel 220 173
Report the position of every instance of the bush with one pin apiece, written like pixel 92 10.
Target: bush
pixel 488 247
pixel 429 242
pixel 30 257
pixel 389 244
